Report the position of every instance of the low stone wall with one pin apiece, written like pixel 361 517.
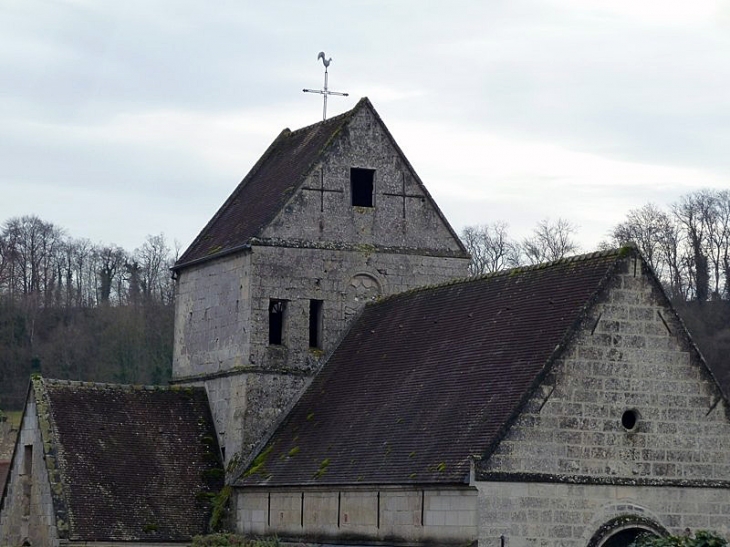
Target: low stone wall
pixel 393 514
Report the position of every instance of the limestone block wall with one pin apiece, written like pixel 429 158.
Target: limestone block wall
pixel 393 514
pixel 344 280
pixel 628 423
pixel 212 317
pixel 629 360
pixel 403 215
pixel 246 405
pixel 27 511
pixel 570 515
pixel 222 324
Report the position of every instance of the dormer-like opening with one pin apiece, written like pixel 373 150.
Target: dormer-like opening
pixel 362 183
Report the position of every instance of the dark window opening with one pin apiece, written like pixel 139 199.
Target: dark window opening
pixel 277 309
pixel 629 419
pixel 627 537
pixel 27 480
pixel 315 324
pixel 361 185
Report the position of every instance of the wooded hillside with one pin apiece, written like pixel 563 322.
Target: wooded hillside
pixel 75 310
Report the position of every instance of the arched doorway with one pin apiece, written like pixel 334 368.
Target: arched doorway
pixel 625 537
pixel 624 530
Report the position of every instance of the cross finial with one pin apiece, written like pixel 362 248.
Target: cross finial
pixel 325 92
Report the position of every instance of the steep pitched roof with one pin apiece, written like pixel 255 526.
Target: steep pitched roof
pixel 427 378
pixel 266 188
pixel 270 184
pixel 128 463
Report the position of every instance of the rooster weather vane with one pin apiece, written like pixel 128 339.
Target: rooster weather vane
pixel 326 92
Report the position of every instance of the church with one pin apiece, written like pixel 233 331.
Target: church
pixel 333 358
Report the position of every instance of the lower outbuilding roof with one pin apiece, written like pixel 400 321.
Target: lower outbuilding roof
pixel 127 462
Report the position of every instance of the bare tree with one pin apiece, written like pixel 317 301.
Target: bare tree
pixel 717 225
pixel 31 250
pixel 110 261
pixel 694 212
pixel 150 268
pixel 550 240
pixel 490 247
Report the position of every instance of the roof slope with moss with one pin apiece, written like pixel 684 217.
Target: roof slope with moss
pixel 427 378
pixel 128 463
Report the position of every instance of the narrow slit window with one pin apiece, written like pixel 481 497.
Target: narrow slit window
pixel 315 324
pixel 27 481
pixel 277 312
pixel 362 183
pixel 28 460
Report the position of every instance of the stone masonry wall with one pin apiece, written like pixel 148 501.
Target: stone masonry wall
pixel 387 514
pixel 212 316
pixel 246 405
pixel 629 360
pixel 343 280
pixel 249 381
pixel 403 215
pixel 625 359
pixel 319 247
pixel 569 515
pixel 28 506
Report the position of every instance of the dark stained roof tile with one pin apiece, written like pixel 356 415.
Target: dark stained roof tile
pixel 427 378
pixel 136 463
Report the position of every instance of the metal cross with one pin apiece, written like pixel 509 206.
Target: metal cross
pixel 326 92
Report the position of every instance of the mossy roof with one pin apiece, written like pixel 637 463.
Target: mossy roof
pixel 128 463
pixel 425 379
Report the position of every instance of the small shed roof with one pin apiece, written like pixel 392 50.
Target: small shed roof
pixel 126 462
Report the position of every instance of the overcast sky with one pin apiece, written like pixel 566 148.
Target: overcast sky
pixel 123 119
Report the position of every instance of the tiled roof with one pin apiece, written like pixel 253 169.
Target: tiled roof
pixel 129 463
pixel 427 378
pixel 266 188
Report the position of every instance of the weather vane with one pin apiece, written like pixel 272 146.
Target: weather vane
pixel 326 92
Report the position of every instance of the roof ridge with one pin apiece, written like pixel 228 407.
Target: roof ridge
pixel 337 118
pixel 109 385
pixel 618 252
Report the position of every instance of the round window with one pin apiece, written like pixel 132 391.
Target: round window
pixel 630 419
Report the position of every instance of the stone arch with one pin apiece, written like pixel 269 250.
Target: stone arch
pixel 622 530
pixel 363 287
